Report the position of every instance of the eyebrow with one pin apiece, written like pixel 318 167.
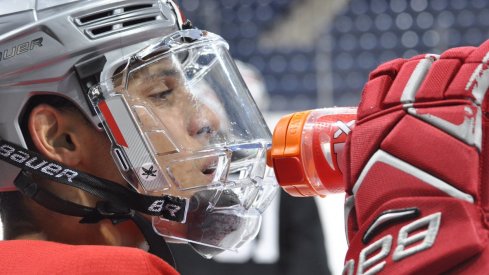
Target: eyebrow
pixel 166 73
pixel 161 74
pixel 145 74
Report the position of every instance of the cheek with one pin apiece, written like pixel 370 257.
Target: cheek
pixel 176 123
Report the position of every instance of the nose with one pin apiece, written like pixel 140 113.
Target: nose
pixel 204 122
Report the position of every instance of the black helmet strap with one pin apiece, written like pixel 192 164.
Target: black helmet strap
pixel 117 202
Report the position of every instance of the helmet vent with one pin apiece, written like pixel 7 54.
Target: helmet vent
pixel 138 21
pixel 101 30
pixel 137 7
pixel 95 17
pixel 122 18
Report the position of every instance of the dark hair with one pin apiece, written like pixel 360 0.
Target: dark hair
pixel 16 218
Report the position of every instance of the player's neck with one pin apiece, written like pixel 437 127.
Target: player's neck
pixel 31 236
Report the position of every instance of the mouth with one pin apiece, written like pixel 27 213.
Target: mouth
pixel 209 171
pixel 210 167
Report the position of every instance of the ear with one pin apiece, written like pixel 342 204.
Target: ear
pixel 53 135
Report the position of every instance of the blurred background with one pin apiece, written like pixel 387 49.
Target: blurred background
pixel 318 53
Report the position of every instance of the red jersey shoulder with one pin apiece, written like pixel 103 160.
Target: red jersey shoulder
pixel 42 257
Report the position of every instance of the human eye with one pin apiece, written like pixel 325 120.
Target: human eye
pixel 160 95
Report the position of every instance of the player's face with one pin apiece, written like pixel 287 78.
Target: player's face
pixel 189 117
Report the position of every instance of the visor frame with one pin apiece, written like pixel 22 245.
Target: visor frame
pixel 107 92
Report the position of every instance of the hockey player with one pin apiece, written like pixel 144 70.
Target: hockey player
pixel 122 125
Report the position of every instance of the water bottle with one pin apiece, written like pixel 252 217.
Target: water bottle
pixel 306 153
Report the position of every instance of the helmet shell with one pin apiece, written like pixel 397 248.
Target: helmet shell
pixel 41 42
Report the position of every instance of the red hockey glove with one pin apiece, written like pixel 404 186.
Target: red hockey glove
pixel 417 178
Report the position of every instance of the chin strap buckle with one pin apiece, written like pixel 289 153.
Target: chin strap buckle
pixel 107 210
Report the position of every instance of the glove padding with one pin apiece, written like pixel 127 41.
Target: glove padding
pixel 417 167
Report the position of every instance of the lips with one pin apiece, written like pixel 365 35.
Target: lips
pixel 210 167
pixel 209 170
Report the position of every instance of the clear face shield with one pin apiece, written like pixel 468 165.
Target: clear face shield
pixel 183 123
